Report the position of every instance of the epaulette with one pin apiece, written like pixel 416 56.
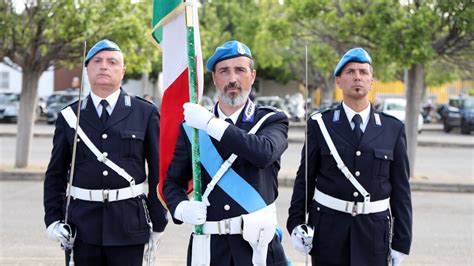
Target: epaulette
pixel 319 112
pixel 389 116
pixel 144 100
pixel 72 103
pixel 270 108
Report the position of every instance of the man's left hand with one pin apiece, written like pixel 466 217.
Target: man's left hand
pixel 397 257
pixel 197 116
pixel 151 251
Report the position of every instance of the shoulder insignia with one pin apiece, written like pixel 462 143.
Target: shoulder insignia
pixel 378 122
pixel 249 112
pixel 84 103
pixel 336 115
pixel 128 101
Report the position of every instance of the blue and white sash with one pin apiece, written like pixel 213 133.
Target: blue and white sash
pixel 224 176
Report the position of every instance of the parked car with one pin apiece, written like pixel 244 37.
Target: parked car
pixel 396 107
pixel 9 106
pixel 459 113
pixel 273 101
pixel 61 100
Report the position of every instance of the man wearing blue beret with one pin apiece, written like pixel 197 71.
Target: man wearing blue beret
pixel 358 194
pixel 110 214
pixel 241 145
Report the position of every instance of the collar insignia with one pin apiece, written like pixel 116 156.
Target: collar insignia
pixel 337 114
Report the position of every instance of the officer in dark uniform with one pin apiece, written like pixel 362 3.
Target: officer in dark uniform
pixel 362 214
pixel 246 193
pixel 109 210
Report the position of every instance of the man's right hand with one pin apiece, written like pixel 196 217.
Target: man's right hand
pixel 191 212
pixel 302 238
pixel 58 231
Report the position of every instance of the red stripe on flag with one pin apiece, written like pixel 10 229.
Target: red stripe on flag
pixel 171 117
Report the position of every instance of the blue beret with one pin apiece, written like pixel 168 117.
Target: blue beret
pixel 228 50
pixel 353 55
pixel 101 46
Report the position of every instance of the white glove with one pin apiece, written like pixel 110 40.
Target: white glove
pixel 197 116
pixel 302 238
pixel 58 231
pixel 155 239
pixel 397 257
pixel 191 212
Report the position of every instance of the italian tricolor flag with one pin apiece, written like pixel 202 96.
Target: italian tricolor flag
pixel 169 32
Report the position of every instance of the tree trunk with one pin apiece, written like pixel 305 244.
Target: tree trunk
pixel 26 117
pixel 327 90
pixel 414 90
pixel 145 85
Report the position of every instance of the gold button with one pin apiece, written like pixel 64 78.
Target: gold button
pixel 105 173
pixel 318 208
pixel 104 136
pixel 226 207
pixel 78 140
pixel 385 157
pixel 358 153
pixel 357 173
pixel 133 136
pixel 355 194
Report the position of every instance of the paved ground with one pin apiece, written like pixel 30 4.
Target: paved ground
pixel 444 162
pixel 443 230
pixel 443 222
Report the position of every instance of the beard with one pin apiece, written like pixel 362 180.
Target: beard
pixel 236 99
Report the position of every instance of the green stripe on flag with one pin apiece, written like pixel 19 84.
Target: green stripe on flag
pixel 161 9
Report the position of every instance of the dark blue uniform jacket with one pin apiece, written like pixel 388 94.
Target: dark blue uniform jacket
pixel 130 137
pixel 258 163
pixel 381 158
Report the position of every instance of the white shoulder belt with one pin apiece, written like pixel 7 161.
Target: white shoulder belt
pixel 71 119
pixel 337 204
pixel 228 163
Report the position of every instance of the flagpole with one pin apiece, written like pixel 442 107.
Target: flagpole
pixel 196 161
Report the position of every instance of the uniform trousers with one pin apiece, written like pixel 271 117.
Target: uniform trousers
pixel 92 255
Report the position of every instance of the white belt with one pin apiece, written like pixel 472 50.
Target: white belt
pixel 231 226
pixel 351 207
pixel 107 195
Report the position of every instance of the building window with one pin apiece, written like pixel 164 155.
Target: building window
pixel 4 80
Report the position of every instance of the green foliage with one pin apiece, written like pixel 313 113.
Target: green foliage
pixel 259 24
pixel 53 32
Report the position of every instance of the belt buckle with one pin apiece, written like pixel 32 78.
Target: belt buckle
pixel 354 209
pixel 226 225
pixel 105 195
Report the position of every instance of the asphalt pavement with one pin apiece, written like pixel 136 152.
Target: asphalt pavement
pixel 453 147
pixel 442 230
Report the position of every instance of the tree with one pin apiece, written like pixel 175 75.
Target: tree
pixel 330 28
pixel 430 33
pixel 52 34
pixel 419 35
pixel 253 23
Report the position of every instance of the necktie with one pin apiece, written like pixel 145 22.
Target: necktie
pixel 228 120
pixel 104 115
pixel 357 119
